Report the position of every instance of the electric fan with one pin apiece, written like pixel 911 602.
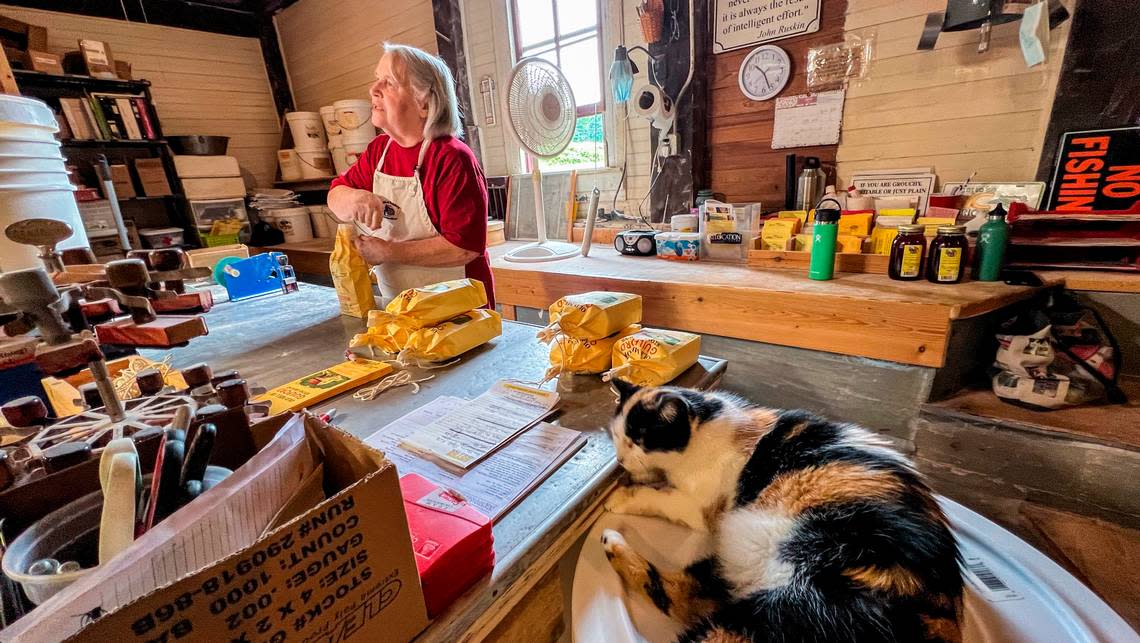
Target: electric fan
pixel 541 113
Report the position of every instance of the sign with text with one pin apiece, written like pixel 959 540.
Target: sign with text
pixel 742 23
pixel 914 186
pixel 1097 170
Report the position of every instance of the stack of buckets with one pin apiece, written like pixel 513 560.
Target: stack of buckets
pixel 309 158
pixel 33 178
pixel 348 124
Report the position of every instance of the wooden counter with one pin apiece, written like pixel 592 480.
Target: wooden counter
pixel 853 314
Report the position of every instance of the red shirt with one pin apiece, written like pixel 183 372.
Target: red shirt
pixel 455 193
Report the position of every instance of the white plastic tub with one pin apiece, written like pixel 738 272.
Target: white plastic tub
pixel 290 165
pixel 294 223
pixel 26 119
pixel 10 147
pixel 353 152
pixel 307 129
pixel 328 117
pixel 26 179
pixel 351 114
pixel 315 164
pixel 322 218
pixel 29 163
pixel 49 202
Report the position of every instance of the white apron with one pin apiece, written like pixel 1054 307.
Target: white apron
pixel 408 221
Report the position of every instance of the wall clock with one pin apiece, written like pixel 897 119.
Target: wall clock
pixel 764 72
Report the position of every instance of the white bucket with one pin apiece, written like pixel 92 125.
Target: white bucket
pixel 294 223
pixel 340 160
pixel 323 226
pixel 26 163
pixel 37 201
pixel 22 147
pixel 353 151
pixel 335 141
pixel 315 164
pixel 34 180
pixel 328 117
pixel 26 119
pixel 290 165
pixel 353 113
pixel 363 134
pixel 308 132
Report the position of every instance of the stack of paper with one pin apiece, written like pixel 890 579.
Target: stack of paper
pixel 497 483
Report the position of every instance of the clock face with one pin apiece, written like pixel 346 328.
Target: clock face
pixel 764 72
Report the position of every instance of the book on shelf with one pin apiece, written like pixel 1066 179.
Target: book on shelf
pixel 130 121
pixel 77 118
pixel 142 112
pixel 97 117
pixel 125 116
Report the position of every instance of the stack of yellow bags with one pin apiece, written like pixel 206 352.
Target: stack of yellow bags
pixel 599 332
pixel 433 323
pixel 584 328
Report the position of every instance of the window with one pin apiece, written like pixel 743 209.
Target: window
pixel 568 34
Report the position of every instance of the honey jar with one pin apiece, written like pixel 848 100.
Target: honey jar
pixel 908 249
pixel 946 262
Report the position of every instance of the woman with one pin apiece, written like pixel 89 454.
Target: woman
pixel 417 186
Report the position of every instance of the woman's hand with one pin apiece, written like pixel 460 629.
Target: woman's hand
pixel 351 205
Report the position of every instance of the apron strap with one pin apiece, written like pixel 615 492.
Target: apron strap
pixel 420 158
pixel 384 154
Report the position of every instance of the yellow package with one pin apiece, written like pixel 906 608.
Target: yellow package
pixel 317 387
pixel 350 275
pixel 855 224
pixel 799 215
pixel 430 305
pixel 849 243
pixel 803 242
pixel 592 315
pixel 881 239
pixel 454 336
pixel 386 332
pixel 584 356
pixel 777 232
pixel 652 357
pixel 932 224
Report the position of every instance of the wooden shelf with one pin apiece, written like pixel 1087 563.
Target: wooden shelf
pixel 124 142
pixel 77 81
pixel 307 185
pixel 1095 280
pixel 1106 424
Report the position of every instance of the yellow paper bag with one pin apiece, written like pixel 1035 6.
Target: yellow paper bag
pixel 350 275
pixel 454 336
pixel 386 332
pixel 592 315
pixel 654 357
pixel 584 356
pixel 430 305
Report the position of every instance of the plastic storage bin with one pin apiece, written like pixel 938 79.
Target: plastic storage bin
pixel 162 237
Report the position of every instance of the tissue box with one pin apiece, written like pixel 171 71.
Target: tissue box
pixel 678 246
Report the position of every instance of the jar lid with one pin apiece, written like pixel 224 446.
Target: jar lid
pixel 911 228
pixel 951 229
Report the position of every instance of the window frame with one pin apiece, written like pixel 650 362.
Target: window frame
pixel 568 38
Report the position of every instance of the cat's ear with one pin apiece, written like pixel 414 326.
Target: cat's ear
pixel 672 407
pixel 625 390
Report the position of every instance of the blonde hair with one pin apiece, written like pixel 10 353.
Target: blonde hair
pixel 432 83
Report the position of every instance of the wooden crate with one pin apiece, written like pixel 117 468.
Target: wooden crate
pixel 799 260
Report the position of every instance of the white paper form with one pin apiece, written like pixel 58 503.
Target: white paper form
pixel 474 429
pixel 225 519
pixel 496 484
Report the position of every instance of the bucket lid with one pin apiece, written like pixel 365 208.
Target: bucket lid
pixel 350 103
pixel 37 187
pixel 27 111
pixel 302 116
pixel 327 109
pixel 46 157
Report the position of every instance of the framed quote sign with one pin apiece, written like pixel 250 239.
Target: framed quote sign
pixel 743 23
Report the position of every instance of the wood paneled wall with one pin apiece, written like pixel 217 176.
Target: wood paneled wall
pixel 202 83
pixel 951 108
pixel 744 165
pixel 331 48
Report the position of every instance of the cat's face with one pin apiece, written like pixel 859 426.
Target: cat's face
pixel 649 425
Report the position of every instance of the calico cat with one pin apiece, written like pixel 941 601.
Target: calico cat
pixel 819 530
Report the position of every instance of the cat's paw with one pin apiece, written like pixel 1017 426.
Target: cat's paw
pixel 612 541
pixel 622 558
pixel 619 500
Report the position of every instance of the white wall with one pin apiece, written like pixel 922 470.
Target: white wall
pixel 331 47
pixel 951 108
pixel 202 83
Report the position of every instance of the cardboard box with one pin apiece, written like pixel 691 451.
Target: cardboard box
pixel 97 58
pixel 21 35
pixel 121 179
pixel 44 61
pixel 152 176
pixel 342 568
